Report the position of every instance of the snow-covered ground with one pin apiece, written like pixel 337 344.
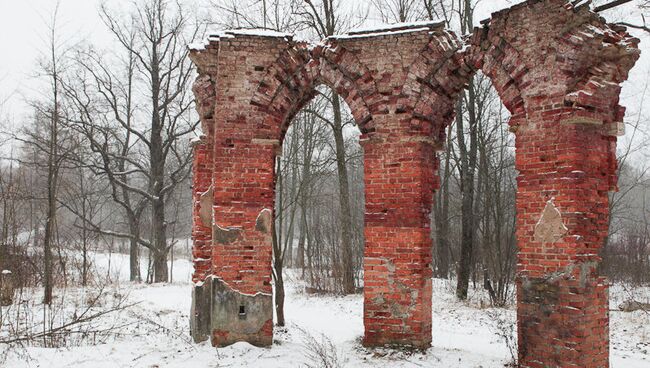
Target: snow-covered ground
pixel 155 332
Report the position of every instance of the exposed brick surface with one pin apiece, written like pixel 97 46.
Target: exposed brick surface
pixel 558 71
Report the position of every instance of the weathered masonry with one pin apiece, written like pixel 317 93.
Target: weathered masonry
pixel 558 69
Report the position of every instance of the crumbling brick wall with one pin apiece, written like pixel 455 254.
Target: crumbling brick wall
pixel 557 69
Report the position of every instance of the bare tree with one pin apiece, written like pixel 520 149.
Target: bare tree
pixel 467 161
pixel 325 18
pixel 105 104
pixel 141 144
pixel 398 11
pixel 44 137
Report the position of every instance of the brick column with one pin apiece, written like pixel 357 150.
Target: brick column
pixel 562 221
pixel 560 78
pixel 202 210
pixel 241 252
pixel 236 298
pixel 400 178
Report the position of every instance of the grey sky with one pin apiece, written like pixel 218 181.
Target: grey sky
pixel 23 37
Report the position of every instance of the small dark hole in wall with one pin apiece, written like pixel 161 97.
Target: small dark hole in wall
pixel 242 311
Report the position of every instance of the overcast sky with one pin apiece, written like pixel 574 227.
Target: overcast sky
pixel 24 34
pixel 23 37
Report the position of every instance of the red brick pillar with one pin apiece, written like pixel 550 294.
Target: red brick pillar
pixel 202 153
pixel 567 168
pixel 560 78
pixel 235 302
pixel 241 252
pixel 202 210
pixel 400 178
pixel 202 167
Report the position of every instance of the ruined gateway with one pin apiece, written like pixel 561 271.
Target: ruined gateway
pixel 557 68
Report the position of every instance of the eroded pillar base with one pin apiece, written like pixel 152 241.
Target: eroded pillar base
pixel 563 322
pixel 227 316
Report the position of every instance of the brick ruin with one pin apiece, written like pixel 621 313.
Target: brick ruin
pixel 557 68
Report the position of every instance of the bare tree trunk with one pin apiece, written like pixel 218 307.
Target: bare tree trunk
pixel 468 164
pixel 52 169
pixel 277 248
pixel 300 256
pixel 134 251
pixel 441 208
pixel 467 169
pixel 157 174
pixel 344 192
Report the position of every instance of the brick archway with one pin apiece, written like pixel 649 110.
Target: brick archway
pixel 559 77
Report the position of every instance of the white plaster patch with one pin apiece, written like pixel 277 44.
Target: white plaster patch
pixel 550 227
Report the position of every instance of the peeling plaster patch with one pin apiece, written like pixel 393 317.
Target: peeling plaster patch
pixel 200 313
pixel 586 269
pixel 205 207
pixel 264 221
pixel 242 293
pixel 437 146
pixel 225 235
pixel 550 227
pixel 582 120
pixel 541 291
pixel 228 316
pixel 237 316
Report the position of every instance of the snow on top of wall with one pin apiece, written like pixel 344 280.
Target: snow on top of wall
pixel 393 29
pixel 397 27
pixel 499 6
pixel 258 32
pixel 580 3
pixel 197 46
pixel 378 34
pixel 232 33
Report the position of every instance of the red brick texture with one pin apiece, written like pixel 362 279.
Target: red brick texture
pixel 202 180
pixel 556 68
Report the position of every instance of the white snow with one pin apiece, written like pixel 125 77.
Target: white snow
pixel 157 332
pixel 579 3
pixel 376 34
pixel 397 26
pixel 197 139
pixel 197 46
pixel 258 32
pixel 232 33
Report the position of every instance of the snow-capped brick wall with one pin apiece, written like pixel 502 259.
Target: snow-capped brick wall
pixel 557 69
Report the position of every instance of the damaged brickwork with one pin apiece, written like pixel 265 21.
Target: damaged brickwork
pixel 558 70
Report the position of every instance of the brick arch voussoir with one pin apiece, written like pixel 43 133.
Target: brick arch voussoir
pixel 286 81
pixel 292 81
pixel 204 88
pixel 596 81
pixel 505 67
pixel 357 92
pixel 434 83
